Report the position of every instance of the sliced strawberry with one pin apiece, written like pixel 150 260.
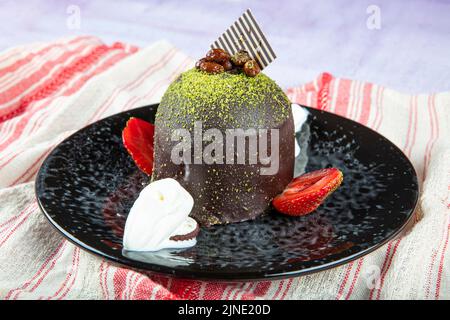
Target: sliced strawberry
pixel 137 138
pixel 306 192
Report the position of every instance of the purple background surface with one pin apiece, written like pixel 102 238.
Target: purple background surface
pixel 410 52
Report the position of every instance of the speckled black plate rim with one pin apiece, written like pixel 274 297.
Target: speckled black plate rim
pixel 231 276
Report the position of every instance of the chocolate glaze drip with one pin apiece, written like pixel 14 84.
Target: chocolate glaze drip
pixel 187 236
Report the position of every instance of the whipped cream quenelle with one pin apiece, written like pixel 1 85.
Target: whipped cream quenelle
pixel 300 115
pixel 160 212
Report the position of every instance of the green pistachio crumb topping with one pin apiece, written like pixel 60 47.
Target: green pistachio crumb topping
pixel 234 99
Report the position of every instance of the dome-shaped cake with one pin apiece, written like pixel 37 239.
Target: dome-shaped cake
pixel 224 189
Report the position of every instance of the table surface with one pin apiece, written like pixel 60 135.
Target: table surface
pixel 410 51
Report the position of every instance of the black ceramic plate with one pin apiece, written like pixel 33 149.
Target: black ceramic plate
pixel 88 183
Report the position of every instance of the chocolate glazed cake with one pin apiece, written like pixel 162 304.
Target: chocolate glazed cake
pixel 224 193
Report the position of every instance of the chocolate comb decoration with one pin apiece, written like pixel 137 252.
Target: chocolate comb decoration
pixel 245 34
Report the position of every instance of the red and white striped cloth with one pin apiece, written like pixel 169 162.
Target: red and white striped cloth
pixel 48 91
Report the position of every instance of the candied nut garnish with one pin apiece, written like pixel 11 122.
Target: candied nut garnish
pixel 197 64
pixel 227 65
pixel 251 68
pixel 217 55
pixel 240 58
pixel 211 67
